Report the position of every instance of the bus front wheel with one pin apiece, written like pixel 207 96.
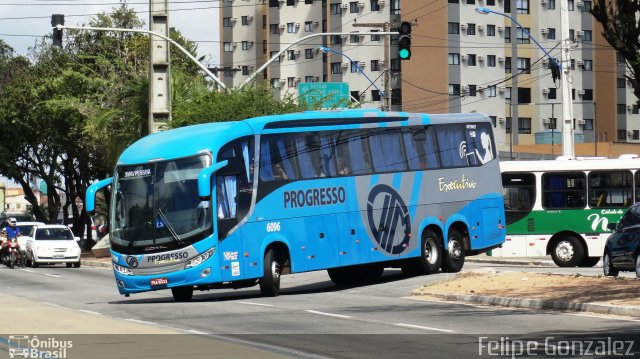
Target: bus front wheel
pixel 270 282
pixel 182 294
pixel 567 252
pixel 453 260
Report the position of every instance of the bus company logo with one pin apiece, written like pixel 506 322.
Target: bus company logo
pixel 393 217
pixel 230 256
pixel 32 347
pixel 132 261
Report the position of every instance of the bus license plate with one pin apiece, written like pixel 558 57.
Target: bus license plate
pixel 159 281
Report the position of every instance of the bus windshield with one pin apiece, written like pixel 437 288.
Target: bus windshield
pixel 157 207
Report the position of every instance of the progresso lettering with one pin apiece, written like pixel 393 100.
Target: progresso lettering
pixel 314 197
pixel 137 173
pixel 167 257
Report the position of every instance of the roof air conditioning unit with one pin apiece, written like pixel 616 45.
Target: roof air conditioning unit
pixel 463 27
pixel 464 57
pixel 544 31
pixel 501 119
pixel 344 6
pixel 546 121
pixel 480 57
pixel 382 3
pixel 580 92
pixel 345 65
pixel 581 122
pixel 545 91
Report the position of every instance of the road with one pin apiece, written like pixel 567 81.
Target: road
pixel 313 318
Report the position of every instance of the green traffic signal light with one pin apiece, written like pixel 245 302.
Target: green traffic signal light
pixel 404 41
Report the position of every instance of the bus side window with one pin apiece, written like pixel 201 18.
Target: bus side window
pixel 226 190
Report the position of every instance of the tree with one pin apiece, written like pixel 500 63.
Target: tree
pixel 622 32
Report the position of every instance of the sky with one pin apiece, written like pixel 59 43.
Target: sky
pixel 23 22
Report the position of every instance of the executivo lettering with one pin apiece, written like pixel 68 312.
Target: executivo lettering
pixel 456 184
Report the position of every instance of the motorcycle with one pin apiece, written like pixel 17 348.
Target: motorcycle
pixel 13 255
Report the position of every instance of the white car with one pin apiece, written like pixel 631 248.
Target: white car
pixel 51 244
pixel 25 231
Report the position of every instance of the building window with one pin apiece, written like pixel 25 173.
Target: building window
pixel 472 90
pixel 524 65
pixel 553 93
pixel 336 39
pixel 471 60
pixel 491 60
pixel 587 65
pixel 587 95
pixel 491 90
pixel 494 120
pixel 621 83
pixel 454 59
pixel 471 29
pixel 374 5
pixel 491 30
pixel 309 79
pixel 291 81
pixel 586 6
pixel 588 124
pixel 636 135
pixel 454 28
pixel 586 36
pixel 245 70
pixel 336 68
pixel 507 125
pixel 524 125
pixel 375 65
pixel 522 6
pixel 375 95
pixel 353 7
pixel 274 29
pixel 622 109
pixel 291 2
pixel 264 46
pixel 454 89
pixel 507 32
pixel 245 45
pixel 507 65
pixel 375 37
pixel 226 22
pixel 471 2
pixel 228 47
pixel 570 5
pixel 551 34
pixel 308 26
pixel 355 66
pixel 334 9
pixel 291 27
pixel 622 134
pixel 354 39
pixel 522 36
pixel 634 109
pixel 273 53
pixel 491 2
pixel 395 7
pixel 291 54
pixel 551 4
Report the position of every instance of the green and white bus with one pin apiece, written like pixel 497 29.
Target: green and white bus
pixel 562 207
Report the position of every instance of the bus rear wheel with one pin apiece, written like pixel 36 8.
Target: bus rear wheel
pixel 567 252
pixel 182 294
pixel 431 252
pixel 270 282
pixel 453 260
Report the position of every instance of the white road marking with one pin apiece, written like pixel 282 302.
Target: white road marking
pixel 141 321
pixel 329 314
pixel 52 275
pixel 193 331
pixel 27 270
pixel 422 327
pixel 89 312
pixel 260 304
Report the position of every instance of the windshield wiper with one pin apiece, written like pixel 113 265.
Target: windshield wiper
pixel 172 231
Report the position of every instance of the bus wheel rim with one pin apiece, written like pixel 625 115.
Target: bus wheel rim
pixel 606 263
pixel 454 249
pixel 564 251
pixel 274 271
pixel 430 251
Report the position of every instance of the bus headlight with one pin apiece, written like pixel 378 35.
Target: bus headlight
pixel 199 259
pixel 122 270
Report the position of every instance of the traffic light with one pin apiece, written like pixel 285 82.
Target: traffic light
pixel 57 19
pixel 404 41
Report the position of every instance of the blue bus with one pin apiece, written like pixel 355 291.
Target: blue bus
pixel 235 204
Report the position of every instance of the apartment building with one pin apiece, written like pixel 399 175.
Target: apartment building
pixel 462 61
pixel 253 31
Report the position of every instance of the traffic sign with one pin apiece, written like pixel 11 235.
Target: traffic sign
pixel 325 94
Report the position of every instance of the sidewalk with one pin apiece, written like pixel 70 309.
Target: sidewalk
pixel 533 261
pixel 88 259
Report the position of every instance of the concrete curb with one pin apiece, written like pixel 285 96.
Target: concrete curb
pixel 93 263
pixel 531 262
pixel 538 304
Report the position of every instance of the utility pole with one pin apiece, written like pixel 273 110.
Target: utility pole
pixel 515 100
pixel 159 69
pixel 567 105
pixel 387 61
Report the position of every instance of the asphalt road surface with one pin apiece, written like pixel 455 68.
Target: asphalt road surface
pixel 314 318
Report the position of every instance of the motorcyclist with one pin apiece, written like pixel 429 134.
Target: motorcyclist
pixel 12 229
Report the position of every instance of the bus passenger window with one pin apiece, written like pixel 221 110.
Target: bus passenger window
pixel 226 197
pixel 279 173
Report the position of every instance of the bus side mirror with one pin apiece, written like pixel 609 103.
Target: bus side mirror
pixel 204 179
pixel 612 226
pixel 90 196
